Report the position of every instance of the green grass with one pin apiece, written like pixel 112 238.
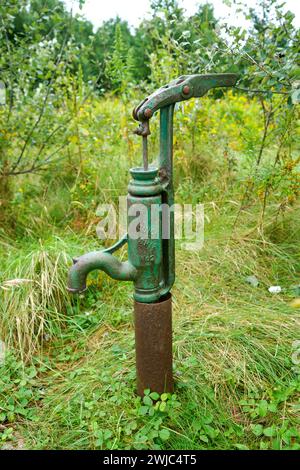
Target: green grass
pixel 68 381
pixel 236 386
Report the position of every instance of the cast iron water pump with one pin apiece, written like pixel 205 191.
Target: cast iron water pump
pixel 151 259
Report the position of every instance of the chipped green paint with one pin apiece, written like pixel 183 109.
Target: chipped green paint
pixel 151 261
pixel 145 251
pixel 183 88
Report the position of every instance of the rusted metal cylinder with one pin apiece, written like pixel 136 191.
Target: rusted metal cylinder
pixel 153 343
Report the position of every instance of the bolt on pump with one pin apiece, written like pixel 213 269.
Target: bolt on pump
pixel 151 259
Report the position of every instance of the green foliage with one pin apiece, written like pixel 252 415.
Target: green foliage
pixel 68 378
pixel 19 396
pixel 235 384
pixel 64 63
pixel 119 67
pixel 277 434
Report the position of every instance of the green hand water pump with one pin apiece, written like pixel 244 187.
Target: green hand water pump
pixel 151 245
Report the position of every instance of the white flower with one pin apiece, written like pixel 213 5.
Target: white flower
pixel 274 289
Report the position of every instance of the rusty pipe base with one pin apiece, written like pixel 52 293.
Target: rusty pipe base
pixel 153 343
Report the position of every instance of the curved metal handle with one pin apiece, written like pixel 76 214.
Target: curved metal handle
pixel 183 88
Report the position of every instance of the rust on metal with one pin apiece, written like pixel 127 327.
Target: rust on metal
pixel 143 129
pixel 183 88
pixel 153 342
pixel 145 153
pixel 148 113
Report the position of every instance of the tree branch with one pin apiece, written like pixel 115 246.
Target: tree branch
pixel 248 90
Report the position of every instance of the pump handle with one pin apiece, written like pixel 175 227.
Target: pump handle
pixel 183 88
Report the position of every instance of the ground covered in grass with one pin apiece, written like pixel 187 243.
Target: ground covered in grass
pixel 235 350
pixel 67 376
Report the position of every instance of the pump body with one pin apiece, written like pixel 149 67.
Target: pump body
pixel 151 256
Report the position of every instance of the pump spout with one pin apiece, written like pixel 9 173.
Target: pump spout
pixel 122 271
